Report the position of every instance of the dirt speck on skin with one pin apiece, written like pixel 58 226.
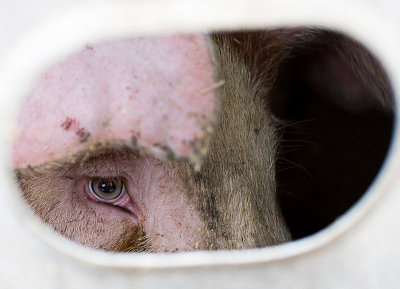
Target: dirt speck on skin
pixel 134 141
pixel 106 122
pixel 169 153
pixel 72 159
pixel 209 129
pixel 85 158
pixel 92 147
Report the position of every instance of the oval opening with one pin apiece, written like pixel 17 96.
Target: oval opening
pixel 331 148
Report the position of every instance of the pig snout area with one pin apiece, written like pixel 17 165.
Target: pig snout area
pixel 102 124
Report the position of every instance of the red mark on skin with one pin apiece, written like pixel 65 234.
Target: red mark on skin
pixel 68 123
pixel 81 132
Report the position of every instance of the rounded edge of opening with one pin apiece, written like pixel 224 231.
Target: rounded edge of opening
pixel 34 61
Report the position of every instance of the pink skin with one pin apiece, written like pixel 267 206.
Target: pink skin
pixel 158 90
pixel 155 89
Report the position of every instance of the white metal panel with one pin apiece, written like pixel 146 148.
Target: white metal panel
pixel 359 251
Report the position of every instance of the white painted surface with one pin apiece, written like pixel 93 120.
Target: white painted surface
pixel 359 251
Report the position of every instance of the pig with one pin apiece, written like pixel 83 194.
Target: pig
pixel 103 163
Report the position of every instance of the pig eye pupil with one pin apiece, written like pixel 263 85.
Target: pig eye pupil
pixel 106 189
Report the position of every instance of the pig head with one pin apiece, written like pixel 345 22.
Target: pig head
pixel 167 143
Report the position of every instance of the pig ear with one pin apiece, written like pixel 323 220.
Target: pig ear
pixel 335 69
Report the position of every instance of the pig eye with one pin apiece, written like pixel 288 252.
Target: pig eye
pixel 106 189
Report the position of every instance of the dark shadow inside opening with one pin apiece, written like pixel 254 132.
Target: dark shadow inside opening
pixel 330 152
